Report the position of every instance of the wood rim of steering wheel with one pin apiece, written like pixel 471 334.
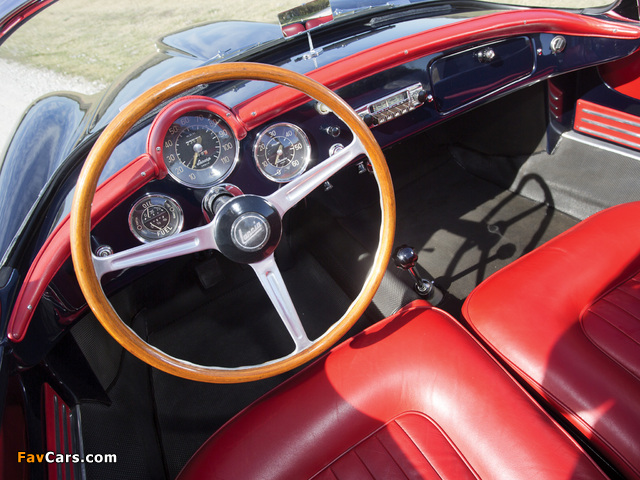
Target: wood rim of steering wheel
pixel 113 134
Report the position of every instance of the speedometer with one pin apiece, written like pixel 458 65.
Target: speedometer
pixel 282 152
pixel 199 149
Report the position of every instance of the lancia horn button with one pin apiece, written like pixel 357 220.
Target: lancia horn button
pixel 250 232
pixel 247 229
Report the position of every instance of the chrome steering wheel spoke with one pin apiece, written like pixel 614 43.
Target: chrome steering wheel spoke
pixel 293 192
pixel 184 243
pixel 273 283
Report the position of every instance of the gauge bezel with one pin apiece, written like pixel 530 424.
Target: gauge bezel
pixel 306 146
pixel 201 178
pixel 146 197
pixel 184 106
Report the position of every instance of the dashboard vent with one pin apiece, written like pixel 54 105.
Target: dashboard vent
pixel 608 124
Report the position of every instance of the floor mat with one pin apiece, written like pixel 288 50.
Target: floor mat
pixel 126 427
pixel 189 412
pixel 464 228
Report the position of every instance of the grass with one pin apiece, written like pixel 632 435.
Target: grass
pixel 98 40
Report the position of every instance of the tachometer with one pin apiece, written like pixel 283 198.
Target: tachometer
pixel 199 149
pixel 282 152
pixel 155 216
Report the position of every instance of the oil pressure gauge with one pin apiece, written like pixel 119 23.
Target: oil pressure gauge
pixel 282 152
pixel 155 216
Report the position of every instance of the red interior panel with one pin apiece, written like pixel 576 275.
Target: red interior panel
pixel 608 124
pixel 612 323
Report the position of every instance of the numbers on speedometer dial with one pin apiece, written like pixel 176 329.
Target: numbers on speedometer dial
pixel 199 149
pixel 282 152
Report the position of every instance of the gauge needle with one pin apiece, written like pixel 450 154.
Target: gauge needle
pixel 197 148
pixel 279 153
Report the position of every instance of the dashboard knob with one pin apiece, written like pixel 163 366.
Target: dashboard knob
pixel 332 130
pixel 558 44
pixel 369 120
pixel 486 55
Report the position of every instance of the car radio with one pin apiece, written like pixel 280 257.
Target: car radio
pixel 393 105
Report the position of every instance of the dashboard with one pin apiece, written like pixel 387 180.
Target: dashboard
pixel 222 141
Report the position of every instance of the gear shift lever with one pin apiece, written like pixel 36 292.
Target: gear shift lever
pixel 405 257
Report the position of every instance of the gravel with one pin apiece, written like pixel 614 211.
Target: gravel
pixel 22 84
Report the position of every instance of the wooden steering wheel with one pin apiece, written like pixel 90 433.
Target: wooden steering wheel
pixel 215 235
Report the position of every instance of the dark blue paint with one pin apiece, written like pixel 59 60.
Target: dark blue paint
pixel 460 78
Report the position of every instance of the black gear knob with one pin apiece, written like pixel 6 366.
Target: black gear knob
pixel 405 257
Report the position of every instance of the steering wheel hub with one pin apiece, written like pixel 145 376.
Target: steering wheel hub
pixel 247 229
pixel 250 232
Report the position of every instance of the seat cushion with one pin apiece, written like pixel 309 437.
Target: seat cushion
pixel 414 396
pixel 565 318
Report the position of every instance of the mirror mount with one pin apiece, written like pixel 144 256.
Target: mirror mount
pixel 313 52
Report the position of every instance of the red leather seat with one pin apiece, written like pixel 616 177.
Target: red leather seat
pixel 415 396
pixel 566 318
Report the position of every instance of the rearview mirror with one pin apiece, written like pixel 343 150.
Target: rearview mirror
pixel 305 17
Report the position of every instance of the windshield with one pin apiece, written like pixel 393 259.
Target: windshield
pixel 346 6
pixel 76 38
pixel 81 46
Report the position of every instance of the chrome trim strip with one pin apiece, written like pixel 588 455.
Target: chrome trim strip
pixel 58 433
pixel 610 137
pixel 66 437
pixel 611 117
pixel 611 127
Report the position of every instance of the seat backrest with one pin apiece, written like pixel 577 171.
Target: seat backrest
pixel 566 319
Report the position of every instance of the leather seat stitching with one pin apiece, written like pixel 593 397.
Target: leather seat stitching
pixel 446 437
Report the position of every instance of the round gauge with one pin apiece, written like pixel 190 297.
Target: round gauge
pixel 282 152
pixel 199 149
pixel 155 216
